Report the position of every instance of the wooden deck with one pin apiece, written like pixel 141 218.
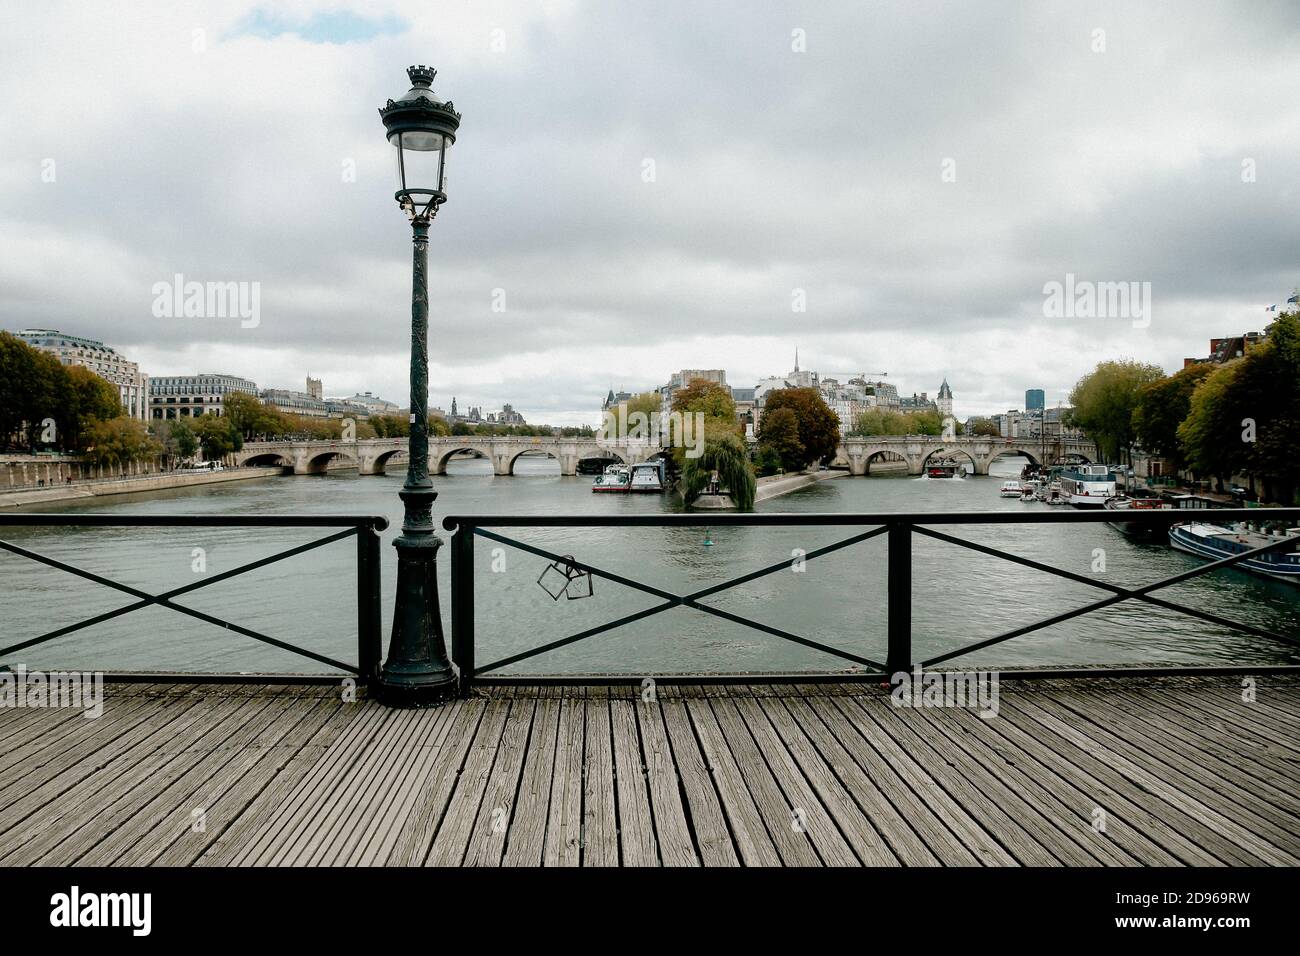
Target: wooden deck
pixel 1178 770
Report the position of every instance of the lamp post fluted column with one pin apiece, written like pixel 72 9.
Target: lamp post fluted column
pixel 417 672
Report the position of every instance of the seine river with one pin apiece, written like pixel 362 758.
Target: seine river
pixel 960 597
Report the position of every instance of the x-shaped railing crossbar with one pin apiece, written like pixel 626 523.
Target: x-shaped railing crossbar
pixel 672 600
pixel 167 598
pixel 908 524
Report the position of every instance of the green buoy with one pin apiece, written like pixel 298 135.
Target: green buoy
pixel 708 539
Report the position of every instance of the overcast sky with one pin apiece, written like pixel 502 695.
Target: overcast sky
pixel 919 170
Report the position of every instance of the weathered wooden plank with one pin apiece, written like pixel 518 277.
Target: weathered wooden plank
pixel 867 844
pixel 221 797
pixel 909 840
pixel 1221 802
pixel 414 770
pixel 414 837
pixel 314 789
pixel 526 840
pixel 1197 821
pixel 780 815
pixel 564 815
pixel 487 841
pixel 82 775
pixel 921 793
pixel 453 835
pixel 1036 785
pixel 636 829
pixel 665 783
pixel 91 803
pixel 821 822
pixel 168 793
pixel 753 843
pixel 255 804
pixel 1252 754
pixel 599 818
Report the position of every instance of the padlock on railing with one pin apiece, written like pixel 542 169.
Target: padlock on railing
pixel 563 578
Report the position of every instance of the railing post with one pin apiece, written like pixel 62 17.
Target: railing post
pixel 899 655
pixel 370 647
pixel 462 605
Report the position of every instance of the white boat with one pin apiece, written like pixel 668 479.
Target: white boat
pixel 1214 542
pixel 613 481
pixel 648 476
pixel 1011 489
pixel 1088 486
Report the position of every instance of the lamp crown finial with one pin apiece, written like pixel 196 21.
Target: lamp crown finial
pixel 421 76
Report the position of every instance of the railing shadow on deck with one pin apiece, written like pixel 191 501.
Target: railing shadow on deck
pixel 365 528
pixel 898 530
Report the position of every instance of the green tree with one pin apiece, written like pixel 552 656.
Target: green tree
pixel 726 455
pixel 120 440
pixel 89 400
pixel 1210 439
pixel 1104 400
pixel 819 426
pixel 1161 407
pixel 983 426
pixel 780 434
pixel 217 436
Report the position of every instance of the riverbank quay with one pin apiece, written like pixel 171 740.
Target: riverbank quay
pixel 1119 771
pixel 123 486
pixel 773 486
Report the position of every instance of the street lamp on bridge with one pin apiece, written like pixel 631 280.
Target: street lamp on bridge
pixel 417 672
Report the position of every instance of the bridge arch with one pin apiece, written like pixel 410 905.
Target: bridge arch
pixel 542 453
pixel 317 463
pixel 1014 453
pixel 883 455
pixel 446 453
pixel 264 460
pixel 379 465
pixel 954 452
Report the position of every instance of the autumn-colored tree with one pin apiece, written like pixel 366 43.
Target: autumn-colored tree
pixel 780 434
pixel 819 426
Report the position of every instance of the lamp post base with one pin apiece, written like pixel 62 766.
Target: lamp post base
pixel 417 672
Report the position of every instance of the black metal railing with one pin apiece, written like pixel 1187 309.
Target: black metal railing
pixel 899 530
pixel 365 529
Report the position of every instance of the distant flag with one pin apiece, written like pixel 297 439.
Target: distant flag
pixel 1271 308
pixel 1294 298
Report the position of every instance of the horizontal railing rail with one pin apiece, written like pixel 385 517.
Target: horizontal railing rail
pixel 365 528
pixel 898 528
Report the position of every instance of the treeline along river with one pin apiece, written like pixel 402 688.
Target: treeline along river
pixel 959 597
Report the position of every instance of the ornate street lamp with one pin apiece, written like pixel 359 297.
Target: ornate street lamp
pixel 417 672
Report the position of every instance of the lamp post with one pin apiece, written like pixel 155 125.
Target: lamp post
pixel 417 672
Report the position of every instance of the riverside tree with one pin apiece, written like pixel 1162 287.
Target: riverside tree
pixel 1104 400
pixel 819 426
pixel 726 455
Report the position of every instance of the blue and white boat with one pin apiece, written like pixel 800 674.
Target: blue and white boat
pixel 1213 542
pixel 1088 486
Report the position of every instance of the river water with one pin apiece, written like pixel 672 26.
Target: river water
pixel 959 597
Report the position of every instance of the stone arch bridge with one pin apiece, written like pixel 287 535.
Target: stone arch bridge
pixel 371 456
pixel 919 450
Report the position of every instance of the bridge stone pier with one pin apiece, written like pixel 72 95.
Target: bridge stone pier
pixel 981 452
pixel 372 456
